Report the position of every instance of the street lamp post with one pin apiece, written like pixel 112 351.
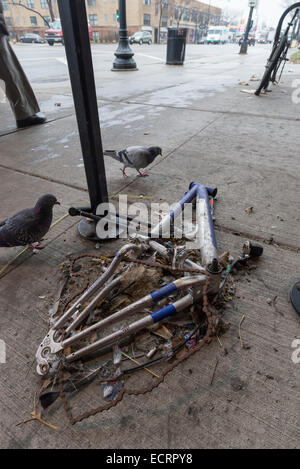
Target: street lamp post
pixel 244 46
pixel 124 55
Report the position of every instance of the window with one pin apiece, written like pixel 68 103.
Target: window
pixel 156 8
pixel 93 19
pixel 194 16
pixel 8 21
pixel 33 20
pixel 147 20
pixel 114 18
pixel 44 4
pixel 96 36
pixel 5 5
pixel 91 3
pixel 164 21
pixel 186 14
pixel 47 18
pixel 147 2
pixel 30 3
pixel 105 18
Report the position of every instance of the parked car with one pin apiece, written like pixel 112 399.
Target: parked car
pixel 141 37
pixel 32 39
pixel 55 34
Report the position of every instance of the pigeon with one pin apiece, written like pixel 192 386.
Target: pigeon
pixel 28 226
pixel 135 157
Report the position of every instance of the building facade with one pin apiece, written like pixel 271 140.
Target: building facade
pixel 191 14
pixel 152 15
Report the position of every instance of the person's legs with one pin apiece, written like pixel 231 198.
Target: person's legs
pixel 18 90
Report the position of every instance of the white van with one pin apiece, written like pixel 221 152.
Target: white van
pixel 217 35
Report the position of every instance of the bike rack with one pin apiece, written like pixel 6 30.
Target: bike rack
pixel 64 332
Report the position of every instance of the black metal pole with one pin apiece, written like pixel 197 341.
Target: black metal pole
pixel 244 46
pixel 124 55
pixel 77 43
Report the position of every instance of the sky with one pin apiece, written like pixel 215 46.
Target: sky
pixel 268 10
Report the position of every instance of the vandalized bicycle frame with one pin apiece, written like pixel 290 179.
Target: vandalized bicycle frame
pixel 64 332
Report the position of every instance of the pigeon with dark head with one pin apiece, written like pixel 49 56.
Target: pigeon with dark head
pixel 135 157
pixel 30 225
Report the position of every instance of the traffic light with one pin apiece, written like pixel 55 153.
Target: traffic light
pixel 118 15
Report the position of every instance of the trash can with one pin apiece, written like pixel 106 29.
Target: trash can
pixel 176 46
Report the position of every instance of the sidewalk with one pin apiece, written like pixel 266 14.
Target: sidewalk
pixel 247 147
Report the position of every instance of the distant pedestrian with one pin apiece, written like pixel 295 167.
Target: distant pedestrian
pixel 17 88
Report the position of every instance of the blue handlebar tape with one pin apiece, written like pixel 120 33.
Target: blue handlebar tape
pixel 163 313
pixel 164 291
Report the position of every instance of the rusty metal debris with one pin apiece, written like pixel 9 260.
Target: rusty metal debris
pixel 84 328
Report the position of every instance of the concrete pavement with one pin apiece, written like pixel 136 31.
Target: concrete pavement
pixel 212 133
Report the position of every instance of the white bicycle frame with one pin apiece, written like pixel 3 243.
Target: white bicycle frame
pixel 63 333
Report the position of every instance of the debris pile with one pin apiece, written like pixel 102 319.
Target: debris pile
pixel 120 325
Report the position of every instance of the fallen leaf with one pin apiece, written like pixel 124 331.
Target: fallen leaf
pixel 249 210
pixel 68 351
pixel 163 332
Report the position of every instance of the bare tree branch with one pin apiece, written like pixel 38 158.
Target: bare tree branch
pixel 19 4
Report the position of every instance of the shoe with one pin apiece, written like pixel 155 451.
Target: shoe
pixel 295 297
pixel 33 120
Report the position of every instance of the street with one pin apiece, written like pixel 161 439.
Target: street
pixel 46 68
pixel 241 390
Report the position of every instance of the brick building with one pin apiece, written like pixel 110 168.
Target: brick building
pixel 152 15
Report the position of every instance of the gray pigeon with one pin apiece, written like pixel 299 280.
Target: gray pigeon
pixel 28 226
pixel 135 157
